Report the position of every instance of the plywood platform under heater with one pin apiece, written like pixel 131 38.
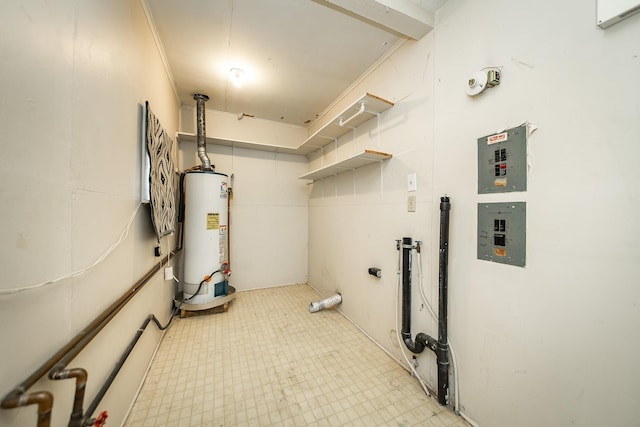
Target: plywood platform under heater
pixel 218 305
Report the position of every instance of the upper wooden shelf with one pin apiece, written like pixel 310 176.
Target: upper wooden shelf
pixel 355 161
pixel 358 112
pixel 189 137
pixel 364 108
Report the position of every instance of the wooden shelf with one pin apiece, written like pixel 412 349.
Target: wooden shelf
pixel 355 161
pixel 189 137
pixel 364 108
pixel 372 106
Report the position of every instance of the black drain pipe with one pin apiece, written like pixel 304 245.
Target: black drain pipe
pixel 87 420
pixel 443 344
pixel 422 339
pixel 440 346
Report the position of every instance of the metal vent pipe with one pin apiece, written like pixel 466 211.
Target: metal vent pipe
pixel 325 303
pixel 201 137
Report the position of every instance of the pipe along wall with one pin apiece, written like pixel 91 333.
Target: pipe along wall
pixel 56 366
pixel 440 346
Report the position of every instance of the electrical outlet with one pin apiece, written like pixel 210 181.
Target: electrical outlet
pixel 411 203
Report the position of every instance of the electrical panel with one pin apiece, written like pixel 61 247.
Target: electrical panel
pixel 502 232
pixel 502 161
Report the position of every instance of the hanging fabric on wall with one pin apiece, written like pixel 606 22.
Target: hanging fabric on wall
pixel 161 180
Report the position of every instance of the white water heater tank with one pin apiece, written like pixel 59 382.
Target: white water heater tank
pixel 205 229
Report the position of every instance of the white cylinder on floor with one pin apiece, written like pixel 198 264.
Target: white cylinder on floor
pixel 205 233
pixel 325 303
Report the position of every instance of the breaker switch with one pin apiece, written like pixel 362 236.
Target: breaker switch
pixel 502 233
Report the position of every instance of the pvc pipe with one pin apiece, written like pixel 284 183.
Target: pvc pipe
pixel 87 420
pixel 422 339
pixel 360 112
pixel 440 346
pixel 325 303
pixel 443 346
pixel 409 364
pixel 44 399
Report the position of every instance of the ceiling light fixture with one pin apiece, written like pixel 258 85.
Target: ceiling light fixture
pixel 237 76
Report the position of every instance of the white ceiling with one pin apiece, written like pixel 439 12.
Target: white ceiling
pixel 298 55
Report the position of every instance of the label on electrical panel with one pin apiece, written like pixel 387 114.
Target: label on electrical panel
pixel 494 139
pixel 502 233
pixel 501 156
pixel 213 221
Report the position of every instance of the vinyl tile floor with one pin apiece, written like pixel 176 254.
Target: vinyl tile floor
pixel 268 361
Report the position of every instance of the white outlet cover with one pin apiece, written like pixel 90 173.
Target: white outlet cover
pixel 411 203
pixel 412 184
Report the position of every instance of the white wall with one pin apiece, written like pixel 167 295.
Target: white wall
pixel 268 230
pixel 549 344
pixel 74 77
pixel 222 125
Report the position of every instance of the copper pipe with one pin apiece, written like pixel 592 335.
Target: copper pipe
pixel 73 347
pixel 80 374
pixel 43 399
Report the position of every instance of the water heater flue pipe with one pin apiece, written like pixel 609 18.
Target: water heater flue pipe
pixel 201 136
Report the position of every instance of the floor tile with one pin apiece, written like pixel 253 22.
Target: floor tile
pixel 268 361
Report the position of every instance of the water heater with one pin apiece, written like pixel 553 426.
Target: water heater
pixel 205 235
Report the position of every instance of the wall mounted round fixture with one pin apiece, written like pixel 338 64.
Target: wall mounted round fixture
pixel 477 83
pixel 483 79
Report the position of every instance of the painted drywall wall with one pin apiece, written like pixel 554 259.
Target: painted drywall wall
pixel 533 338
pixel 268 230
pixel 75 75
pixel 356 217
pixel 548 344
pixel 222 125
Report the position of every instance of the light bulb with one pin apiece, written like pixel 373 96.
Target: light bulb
pixel 237 76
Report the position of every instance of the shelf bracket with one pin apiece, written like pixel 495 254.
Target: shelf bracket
pixel 361 111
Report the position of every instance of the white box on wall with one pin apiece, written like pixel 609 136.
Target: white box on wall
pixel 609 12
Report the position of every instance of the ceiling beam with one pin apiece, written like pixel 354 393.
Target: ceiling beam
pixel 404 17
